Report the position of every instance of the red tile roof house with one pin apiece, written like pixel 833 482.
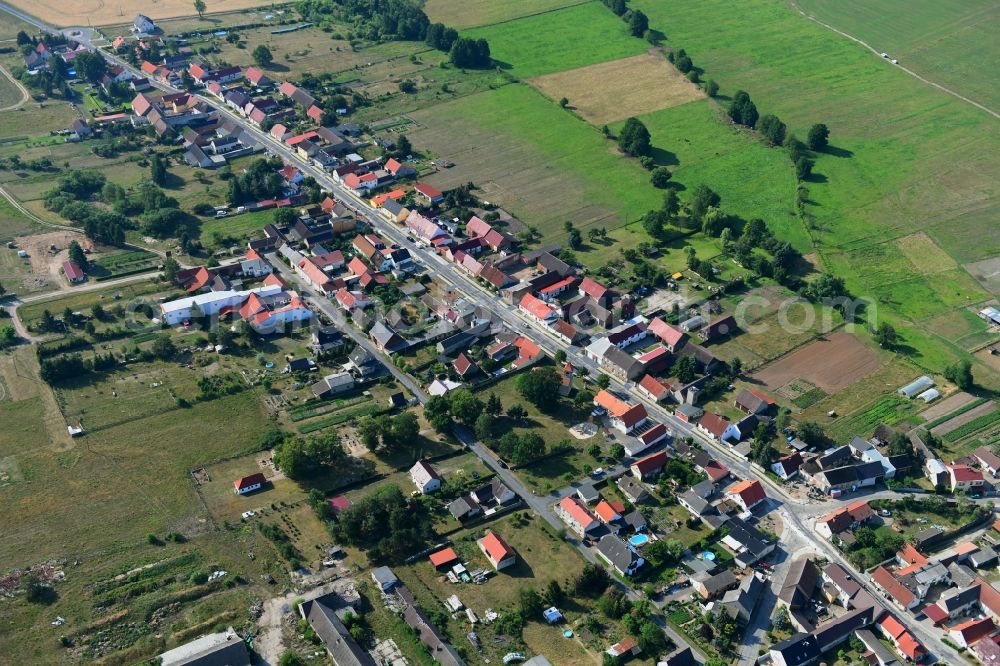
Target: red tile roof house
pixel 652 387
pixel 311 269
pixel 248 484
pixel 715 470
pixel 497 551
pixel 717 427
pixel 429 194
pixel 537 308
pixel 73 272
pixel 787 466
pixel 971 631
pixel 892 589
pixel 965 478
pixel 900 636
pixel 350 300
pixel 747 493
pixel 608 512
pixel 443 558
pixel 595 290
pixel 624 649
pixel 464 366
pixel 624 417
pixel 576 516
pixel 650 466
pixel 398 169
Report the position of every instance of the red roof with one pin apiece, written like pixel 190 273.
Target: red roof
pixel 650 463
pixel 462 364
pixel 592 288
pixel 884 579
pixel 654 354
pixel 496 548
pixel 964 473
pixel 714 424
pixel 558 286
pixel 73 271
pixel 716 471
pixel 911 555
pixel 636 414
pixel 791 462
pixel 935 613
pixel 749 491
pixel 357 266
pixel 654 434
pixel 606 512
pixel 527 350
pixel 249 481
pixel 427 190
pixel 576 511
pixel 973 630
pixel 607 400
pixel 443 557
pixel 671 335
pixel 275 279
pixel 536 307
pixel 911 647
pixel 891 626
pixel 654 387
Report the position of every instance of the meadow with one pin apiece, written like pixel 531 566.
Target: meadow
pixel 950 42
pixel 471 13
pixel 555 41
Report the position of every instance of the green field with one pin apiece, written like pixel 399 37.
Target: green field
pixel 752 179
pixel 469 13
pixel 559 40
pixel 950 42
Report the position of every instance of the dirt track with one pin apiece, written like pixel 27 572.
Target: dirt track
pixel 831 363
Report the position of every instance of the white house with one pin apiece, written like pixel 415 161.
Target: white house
pixel 248 484
pixel 209 304
pixel 424 477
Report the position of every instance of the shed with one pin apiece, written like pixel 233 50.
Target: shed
pixel 917 386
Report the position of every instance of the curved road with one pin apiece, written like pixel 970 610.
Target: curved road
pixel 868 46
pixel 24 91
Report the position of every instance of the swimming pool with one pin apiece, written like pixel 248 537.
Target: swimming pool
pixel 639 540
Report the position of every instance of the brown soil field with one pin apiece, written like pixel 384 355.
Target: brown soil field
pixel 108 12
pixel 949 404
pixel 962 419
pixel 612 91
pixel 831 363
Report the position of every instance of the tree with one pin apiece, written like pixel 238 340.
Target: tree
pixel 661 177
pixel 158 170
pixel 262 55
pixel 369 431
pixel 671 203
pixel 47 323
pixel 163 347
pixel 638 23
pixel 517 412
pixel 613 603
pixel 742 110
pixel 493 405
pixel 633 139
pixel 711 88
pixel 651 638
pixel 619 7
pixel 564 102
pixel 811 433
pixel 886 336
pixel 539 386
pixel 199 6
pixel 23 38
pixel 653 222
pixel 289 658
pixel 818 138
pixel 464 406
pixel 90 66
pixel 485 427
pixel 77 255
pixel 554 594
pixel 702 199
pixel 664 552
pixel 529 602
pixel 685 369
pixel 603 380
pixel 35 590
pixel 960 374
pixel 468 53
pixel 403 146
pixel 772 128
pixel 803 168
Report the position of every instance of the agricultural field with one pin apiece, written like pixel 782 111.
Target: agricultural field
pixel 948 42
pixel 611 91
pixel 472 13
pixel 10 94
pixel 878 116
pixel 554 152
pixel 559 40
pixel 832 363
pixel 97 12
pixel 37 118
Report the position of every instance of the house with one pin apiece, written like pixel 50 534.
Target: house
pixel 622 416
pixel 384 578
pixel 351 300
pixel 739 603
pixel 226 647
pixel 619 555
pixel 903 640
pixel 839 586
pixel 428 194
pixel 751 401
pixel 609 512
pixel 324 616
pixel 848 517
pixel 718 428
pixel 715 470
pixel 415 618
pixel 587 493
pixel 711 587
pixel 74 274
pixel 799 584
pixel 497 551
pixel 747 494
pixel 679 657
pixel 653 388
pixel 537 308
pixel 971 631
pixel 257 78
pixel 386 339
pixel 787 466
pixel 424 477
pixel 671 336
pixel 143 25
pixel 892 589
pixel 719 328
pixel 965 478
pixel 747 543
pixel 576 516
pixel 624 649
pixel 248 484
pixel 464 366
pixel 332 385
pixel 650 466
pixel 937 473
pixel 633 491
pixel 988 460
pixel 801 649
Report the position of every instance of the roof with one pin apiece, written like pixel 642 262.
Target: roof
pixel 576 511
pixel 964 474
pixel 72 270
pixel 842 579
pixel 974 629
pixel 791 462
pixel 670 334
pixel 422 470
pixel 650 463
pixel 331 630
pixel 592 288
pixel 798 649
pixel 606 512
pixel 222 649
pixel 617 552
pixel 495 547
pixel 716 470
pixel 536 307
pixel 751 402
pixel 899 592
pixel 799 583
pixel 249 481
pixel 714 424
pixel 443 557
pixel 654 434
pixel 653 386
pixel 721 581
pixel 749 491
pixel 427 190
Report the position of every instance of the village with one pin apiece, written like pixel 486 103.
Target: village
pixel 473 447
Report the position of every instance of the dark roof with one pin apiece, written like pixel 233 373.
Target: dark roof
pixel 836 458
pixel 800 582
pixel 440 650
pixel 833 631
pixel 615 551
pixel 232 652
pixel 720 581
pixel 339 643
pixel 841 475
pixel 798 650
pixel 755 542
pixel 680 657
pixel 871 470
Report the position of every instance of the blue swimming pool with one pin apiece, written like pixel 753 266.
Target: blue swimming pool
pixel 639 540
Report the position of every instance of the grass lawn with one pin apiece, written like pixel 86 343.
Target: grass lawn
pixel 563 39
pixel 949 42
pixel 222 232
pixel 541 163
pixel 890 134
pixel 37 118
pixel 752 179
pixel 469 13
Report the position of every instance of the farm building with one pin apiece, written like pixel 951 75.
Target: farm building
pixel 497 551
pixel 248 484
pixel 917 386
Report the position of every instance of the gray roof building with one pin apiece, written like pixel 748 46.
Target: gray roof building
pixel 322 617
pixel 222 649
